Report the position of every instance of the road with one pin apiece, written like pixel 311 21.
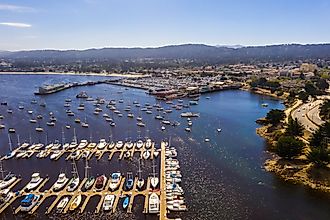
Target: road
pixel 310 109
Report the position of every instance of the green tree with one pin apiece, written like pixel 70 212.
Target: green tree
pixel 320 156
pixel 303 96
pixel 294 128
pixel 275 116
pixel 289 147
pixel 325 110
pixel 320 135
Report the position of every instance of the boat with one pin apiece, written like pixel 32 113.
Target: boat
pixel 61 182
pixel 73 184
pixel 188 129
pixel 127 155
pixel 82 144
pixel 114 181
pixel 264 105
pixel 153 203
pixel 75 203
pixel 33 121
pixel 190 123
pixel 154 180
pixel 11 130
pixel 30 112
pixel 100 182
pixel 189 114
pixel 82 95
pixel 2 126
pixel 89 183
pixel 149 112
pixel 126 202
pixel 129 181
pixel 7 181
pixel 139 118
pixel 20 107
pixel 159 117
pixel 193 103
pixel 156 153
pixel 40 117
pixel 119 144
pixel 29 202
pixel 139 144
pixel 39 129
pixel 102 144
pixel 67 105
pixel 9 155
pixel 85 124
pixel 108 202
pixel 146 154
pixel 55 154
pixel 34 182
pixel 62 204
pixel 148 143
pixel 219 130
pixel 163 128
pixel 50 123
pixel 130 115
pixel 9 111
pixel 77 120
pixel 207 140
pixel 140 181
pixel 67 126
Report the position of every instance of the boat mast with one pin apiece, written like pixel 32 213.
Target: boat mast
pixel 18 142
pixel 74 136
pixel 10 144
pixel 63 137
pixel 74 172
pixel 1 170
pixel 86 169
pixel 139 171
pixel 153 168
pixel 46 138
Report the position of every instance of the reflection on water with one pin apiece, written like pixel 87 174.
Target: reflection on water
pixel 222 179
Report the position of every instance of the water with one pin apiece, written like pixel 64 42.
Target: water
pixel 223 179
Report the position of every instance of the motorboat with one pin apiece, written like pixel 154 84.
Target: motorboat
pixel 163 128
pixel 114 181
pixel 73 184
pixel 108 202
pixel 126 202
pixel 55 154
pixel 154 180
pixel 119 144
pixel 7 181
pixel 102 144
pixel 29 202
pixel 129 181
pixel 129 145
pixel 141 124
pixel 146 154
pixel 100 182
pixel 34 182
pixel 89 183
pixel 139 144
pixel 9 155
pixel 33 121
pixel 82 144
pixel 75 203
pixel 188 129
pixel 140 181
pixel 39 129
pixel 153 203
pixel 189 114
pixel 148 143
pixel 62 204
pixel 61 182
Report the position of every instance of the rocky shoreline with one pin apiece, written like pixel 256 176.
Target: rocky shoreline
pixel 298 171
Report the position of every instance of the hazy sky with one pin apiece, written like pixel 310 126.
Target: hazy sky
pixel 79 24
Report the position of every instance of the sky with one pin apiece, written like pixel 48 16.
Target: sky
pixel 81 24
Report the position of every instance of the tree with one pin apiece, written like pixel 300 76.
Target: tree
pixel 294 128
pixel 303 96
pixel 289 147
pixel 322 84
pixel 320 135
pixel 320 156
pixel 325 110
pixel 275 116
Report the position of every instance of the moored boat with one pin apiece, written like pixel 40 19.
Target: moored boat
pixel 75 203
pixel 153 203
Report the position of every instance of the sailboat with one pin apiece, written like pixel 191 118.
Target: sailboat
pixel 140 182
pixel 154 179
pixel 85 124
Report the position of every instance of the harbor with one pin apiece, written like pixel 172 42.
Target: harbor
pixel 154 187
pixel 214 160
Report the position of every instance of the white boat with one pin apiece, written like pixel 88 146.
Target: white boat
pixel 139 144
pixel 140 181
pixel 114 181
pixel 108 202
pixel 34 182
pixel 102 144
pixel 55 154
pixel 61 182
pixel 119 144
pixel 153 203
pixel 154 180
pixel 75 203
pixel 148 143
pixel 146 154
pixel 163 128
pixel 188 129
pixel 29 202
pixel 33 121
pixel 129 145
pixel 82 144
pixel 7 181
pixel 20 154
pixel 9 155
pixel 62 204
pixel 73 184
pixel 156 153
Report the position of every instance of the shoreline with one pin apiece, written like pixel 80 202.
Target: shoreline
pixel 76 74
pixel 298 171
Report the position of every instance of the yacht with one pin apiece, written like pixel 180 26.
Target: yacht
pixel 61 182
pixel 39 129
pixel 153 203
pixel 33 121
pixel 100 182
pixel 141 124
pixel 7 181
pixel 75 203
pixel 101 145
pixel 34 182
pixel 115 181
pixel 140 181
pixel 62 204
pixel 148 143
pixel 108 202
pixel 73 184
pixel 146 154
pixel 139 144
pixel 83 144
pixel 188 129
pixel 189 114
pixel 154 179
pixel 119 144
pixel 29 202
pixel 89 183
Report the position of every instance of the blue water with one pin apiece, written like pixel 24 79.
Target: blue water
pixel 223 179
